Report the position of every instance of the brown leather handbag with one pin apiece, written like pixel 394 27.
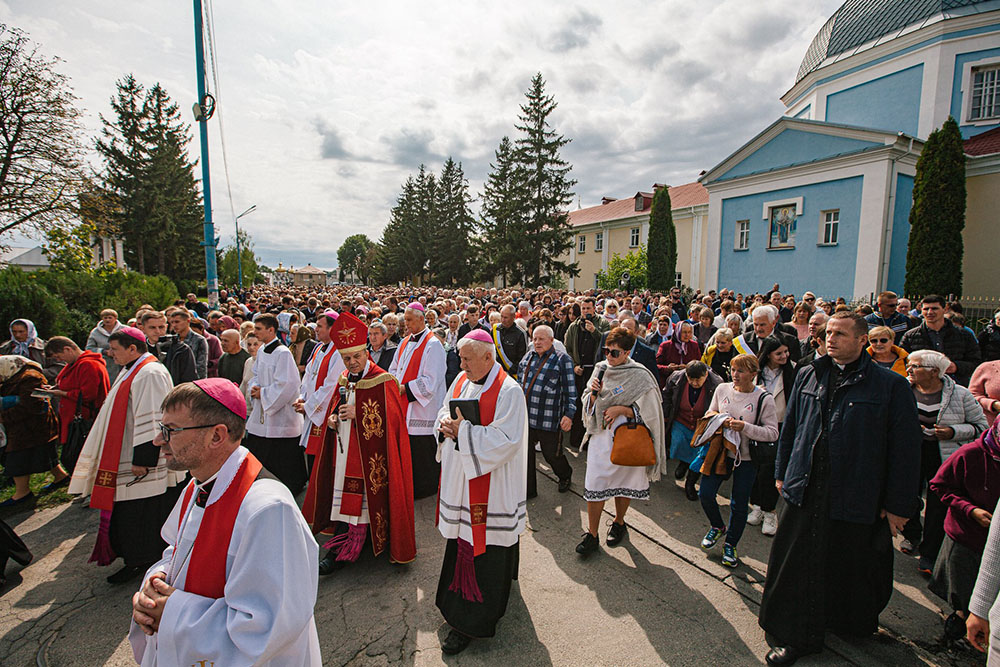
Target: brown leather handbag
pixel 633 444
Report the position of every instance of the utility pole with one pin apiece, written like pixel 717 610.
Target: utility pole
pixel 201 116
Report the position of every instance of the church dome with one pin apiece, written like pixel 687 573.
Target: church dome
pixel 860 22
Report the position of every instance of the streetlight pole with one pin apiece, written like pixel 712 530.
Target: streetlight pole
pixel 202 114
pixel 239 251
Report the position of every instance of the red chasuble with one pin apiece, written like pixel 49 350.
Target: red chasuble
pixel 206 573
pixel 413 365
pixel 103 495
pixel 317 433
pixel 378 465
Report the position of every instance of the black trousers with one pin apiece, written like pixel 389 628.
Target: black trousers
pixel 552 451
pixel 930 535
pixel 283 457
pixel 136 524
pixel 426 470
pixel 764 492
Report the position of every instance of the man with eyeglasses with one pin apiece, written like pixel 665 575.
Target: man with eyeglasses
pixel 888 315
pixel 120 468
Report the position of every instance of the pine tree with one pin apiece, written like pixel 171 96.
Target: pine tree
pixel 937 217
pixel 450 252
pixel 395 260
pixel 548 190
pixel 122 147
pixel 504 219
pixel 423 223
pixel 662 253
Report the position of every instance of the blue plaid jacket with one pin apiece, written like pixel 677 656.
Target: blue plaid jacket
pixel 553 396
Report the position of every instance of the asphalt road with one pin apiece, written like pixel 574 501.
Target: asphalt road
pixel 656 599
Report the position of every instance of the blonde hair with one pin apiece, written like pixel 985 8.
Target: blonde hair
pixel 881 331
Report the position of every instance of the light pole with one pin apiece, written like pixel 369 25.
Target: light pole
pixel 239 252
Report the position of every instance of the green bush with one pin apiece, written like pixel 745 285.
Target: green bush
pixel 64 303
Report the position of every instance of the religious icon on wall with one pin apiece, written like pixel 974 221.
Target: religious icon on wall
pixel 783 227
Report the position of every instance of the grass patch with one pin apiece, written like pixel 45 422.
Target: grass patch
pixel 38 480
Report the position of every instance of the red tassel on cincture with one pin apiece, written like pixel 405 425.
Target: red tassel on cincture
pixel 103 554
pixel 464 581
pixel 349 544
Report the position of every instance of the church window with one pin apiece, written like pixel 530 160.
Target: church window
pixel 830 228
pixel 742 235
pixel 985 93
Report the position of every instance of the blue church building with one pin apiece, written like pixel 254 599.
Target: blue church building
pixel 820 199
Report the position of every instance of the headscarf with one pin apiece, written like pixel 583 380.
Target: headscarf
pixel 18 347
pixel 991 439
pixel 227 322
pixel 12 364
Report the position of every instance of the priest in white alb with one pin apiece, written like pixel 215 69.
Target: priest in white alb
pixel 236 584
pixel 319 384
pixel 419 366
pixel 121 469
pixel 274 428
pixel 482 506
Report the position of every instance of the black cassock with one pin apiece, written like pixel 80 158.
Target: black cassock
pixel 11 547
pixel 824 574
pixel 495 570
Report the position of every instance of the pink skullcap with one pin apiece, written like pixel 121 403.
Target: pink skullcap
pixel 362 309
pixel 134 333
pixel 332 314
pixel 480 335
pixel 416 305
pixel 226 393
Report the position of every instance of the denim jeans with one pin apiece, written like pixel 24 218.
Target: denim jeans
pixel 743 478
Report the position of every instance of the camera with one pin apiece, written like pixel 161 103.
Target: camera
pixel 166 340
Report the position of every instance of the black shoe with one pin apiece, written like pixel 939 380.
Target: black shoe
pixel 330 564
pixel 564 485
pixel 681 470
pixel 954 627
pixel 127 574
pixel 23 502
pixel 588 546
pixel 616 534
pixel 49 488
pixel 783 655
pixel 690 490
pixel 455 643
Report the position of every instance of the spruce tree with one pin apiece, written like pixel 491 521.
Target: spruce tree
pixel 504 215
pixel 450 250
pixel 394 254
pixel 937 216
pixel 661 256
pixel 548 190
pixel 423 223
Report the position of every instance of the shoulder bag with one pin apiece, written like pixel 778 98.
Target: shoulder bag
pixel 762 453
pixel 633 443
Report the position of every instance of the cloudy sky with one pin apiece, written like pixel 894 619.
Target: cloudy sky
pixel 328 106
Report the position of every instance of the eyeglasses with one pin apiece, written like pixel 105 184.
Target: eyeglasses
pixel 614 354
pixel 165 431
pixel 908 366
pixel 881 340
pixel 809 298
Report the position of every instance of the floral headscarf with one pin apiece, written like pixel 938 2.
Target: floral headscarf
pixel 11 365
pixel 20 348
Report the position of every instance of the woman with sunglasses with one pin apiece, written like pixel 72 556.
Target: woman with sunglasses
pixel 884 352
pixel 620 389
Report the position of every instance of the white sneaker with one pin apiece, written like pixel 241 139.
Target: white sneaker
pixel 770 526
pixel 756 515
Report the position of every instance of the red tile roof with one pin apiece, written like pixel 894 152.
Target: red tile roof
pixel 987 143
pixel 681 196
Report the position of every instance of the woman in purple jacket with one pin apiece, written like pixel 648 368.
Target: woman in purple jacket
pixel 968 484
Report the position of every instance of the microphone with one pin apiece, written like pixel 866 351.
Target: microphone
pixel 600 378
pixel 343 395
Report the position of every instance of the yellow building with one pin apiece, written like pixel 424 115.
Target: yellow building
pixel 618 226
pixel 982 201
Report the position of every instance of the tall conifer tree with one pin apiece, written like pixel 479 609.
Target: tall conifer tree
pixel 450 252
pixel 504 218
pixel 937 217
pixel 661 255
pixel 548 190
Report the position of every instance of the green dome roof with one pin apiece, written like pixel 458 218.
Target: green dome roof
pixel 858 22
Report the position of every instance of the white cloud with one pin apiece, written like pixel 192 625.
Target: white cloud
pixel 329 106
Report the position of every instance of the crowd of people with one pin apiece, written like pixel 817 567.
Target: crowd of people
pixel 193 430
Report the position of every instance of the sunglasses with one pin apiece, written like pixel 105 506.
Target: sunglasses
pixel 881 340
pixel 614 354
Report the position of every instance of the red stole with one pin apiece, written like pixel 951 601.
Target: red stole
pixel 413 365
pixel 479 487
pixel 206 573
pixel 317 433
pixel 103 495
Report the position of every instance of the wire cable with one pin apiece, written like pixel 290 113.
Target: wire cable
pixel 212 61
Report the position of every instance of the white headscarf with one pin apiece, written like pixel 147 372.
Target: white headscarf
pixel 19 347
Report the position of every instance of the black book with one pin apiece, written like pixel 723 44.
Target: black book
pixel 469 408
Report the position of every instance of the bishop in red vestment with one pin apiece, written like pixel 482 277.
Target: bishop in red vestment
pixel 361 486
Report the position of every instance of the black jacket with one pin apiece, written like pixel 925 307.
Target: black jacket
pixel 794 348
pixel 989 342
pixel 673 390
pixel 956 343
pixel 386 355
pixel 874 441
pixel 179 360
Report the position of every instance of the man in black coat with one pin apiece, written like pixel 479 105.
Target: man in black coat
pixel 937 332
pixel 766 323
pixel 848 466
pixel 171 352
